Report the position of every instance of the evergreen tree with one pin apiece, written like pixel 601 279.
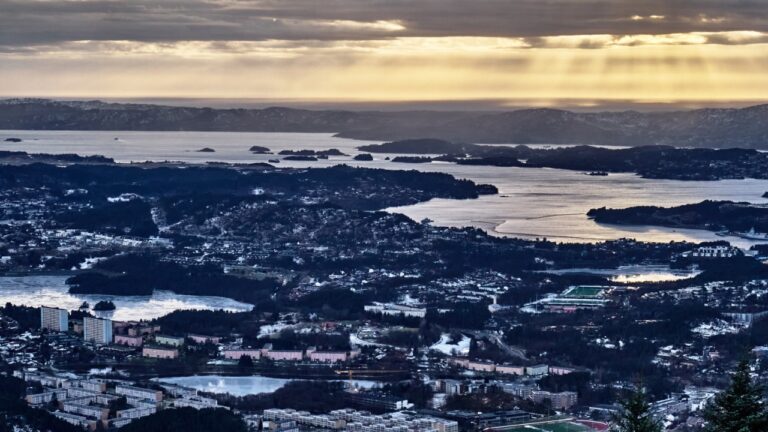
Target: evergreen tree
pixel 740 408
pixel 245 362
pixel 635 415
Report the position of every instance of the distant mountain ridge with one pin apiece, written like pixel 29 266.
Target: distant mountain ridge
pixel 710 127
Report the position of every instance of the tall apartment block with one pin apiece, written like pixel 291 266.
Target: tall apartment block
pixel 97 330
pixel 54 319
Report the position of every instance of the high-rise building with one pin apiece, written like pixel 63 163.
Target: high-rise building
pixel 54 319
pixel 97 330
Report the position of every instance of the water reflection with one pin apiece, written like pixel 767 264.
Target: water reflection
pixel 532 202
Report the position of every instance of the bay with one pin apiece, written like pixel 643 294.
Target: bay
pixel 532 202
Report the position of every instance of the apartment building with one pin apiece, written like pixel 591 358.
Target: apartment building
pixel 361 421
pixel 327 356
pixel 283 355
pixel 196 402
pixel 82 407
pixel 46 397
pixel 76 420
pixel 97 330
pixel 537 370
pixel 175 341
pixel 510 370
pixel 559 401
pixel 138 412
pixel 139 393
pixel 54 319
pixel 237 353
pixel 202 339
pixel 131 341
pixel 159 352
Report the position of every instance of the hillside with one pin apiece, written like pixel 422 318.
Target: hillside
pixel 745 127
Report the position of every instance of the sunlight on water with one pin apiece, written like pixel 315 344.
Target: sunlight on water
pixel 532 203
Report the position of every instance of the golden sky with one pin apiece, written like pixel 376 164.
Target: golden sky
pixel 537 51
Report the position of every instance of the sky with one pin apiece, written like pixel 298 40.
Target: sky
pixel 585 53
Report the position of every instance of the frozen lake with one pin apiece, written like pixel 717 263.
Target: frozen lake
pixel 634 273
pixel 241 385
pixel 51 291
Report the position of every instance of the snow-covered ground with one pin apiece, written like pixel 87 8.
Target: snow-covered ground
pixel 445 347
pixel 355 340
pixel 716 327
pixel 270 329
pixel 89 262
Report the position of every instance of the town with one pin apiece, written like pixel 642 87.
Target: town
pixel 366 319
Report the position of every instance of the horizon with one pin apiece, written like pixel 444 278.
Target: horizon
pixel 489 106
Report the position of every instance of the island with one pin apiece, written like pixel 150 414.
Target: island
pixel 10 157
pixel 206 150
pixel 104 305
pixel 657 162
pixel 499 161
pixel 304 158
pixel 365 157
pixel 411 159
pixel 740 218
pixel 259 150
pixel 13 140
pixel 420 146
pixel 316 153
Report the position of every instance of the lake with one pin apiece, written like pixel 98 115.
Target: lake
pixel 38 291
pixel 241 385
pixel 634 273
pixel 532 202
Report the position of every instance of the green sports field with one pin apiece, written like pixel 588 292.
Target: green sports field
pixel 551 427
pixel 584 291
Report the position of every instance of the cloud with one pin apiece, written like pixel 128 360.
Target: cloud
pixel 39 22
pixel 386 49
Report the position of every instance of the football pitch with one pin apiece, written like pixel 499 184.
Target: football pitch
pixel 551 427
pixel 583 291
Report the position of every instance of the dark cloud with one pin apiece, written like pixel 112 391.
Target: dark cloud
pixel 38 22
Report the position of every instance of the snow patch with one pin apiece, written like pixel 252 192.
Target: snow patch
pixel 447 348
